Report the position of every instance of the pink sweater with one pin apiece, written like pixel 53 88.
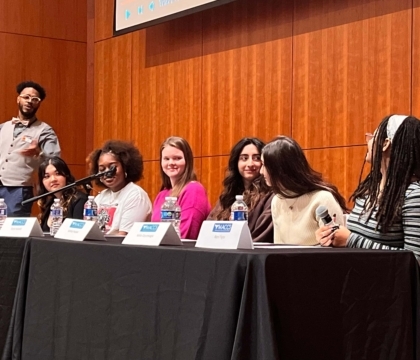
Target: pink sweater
pixel 195 208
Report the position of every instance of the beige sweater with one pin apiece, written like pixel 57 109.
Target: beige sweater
pixel 295 220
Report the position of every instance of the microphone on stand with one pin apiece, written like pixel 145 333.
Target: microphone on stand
pixel 322 212
pixel 107 173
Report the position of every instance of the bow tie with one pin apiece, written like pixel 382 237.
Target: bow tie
pixel 19 121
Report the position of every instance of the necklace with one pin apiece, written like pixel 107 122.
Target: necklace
pixel 291 206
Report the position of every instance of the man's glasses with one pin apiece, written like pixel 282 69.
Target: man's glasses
pixel 369 136
pixel 33 99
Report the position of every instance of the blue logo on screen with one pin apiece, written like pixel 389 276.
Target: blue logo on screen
pixel 220 227
pixel 19 222
pixel 77 225
pixel 149 228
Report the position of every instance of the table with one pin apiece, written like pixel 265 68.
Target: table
pixel 107 301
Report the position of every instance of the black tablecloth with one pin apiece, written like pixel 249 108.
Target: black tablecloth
pixel 104 301
pixel 11 254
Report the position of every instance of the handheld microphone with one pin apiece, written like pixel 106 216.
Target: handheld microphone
pixel 322 212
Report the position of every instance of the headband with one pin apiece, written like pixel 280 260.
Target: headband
pixel 394 123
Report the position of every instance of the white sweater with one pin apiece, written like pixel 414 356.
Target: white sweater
pixel 295 221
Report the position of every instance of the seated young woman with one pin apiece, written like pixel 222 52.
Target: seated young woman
pixel 244 178
pixel 126 202
pixel 298 191
pixel 54 174
pixel 179 180
pixel 386 213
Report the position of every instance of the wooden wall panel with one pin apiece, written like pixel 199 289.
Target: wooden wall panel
pixel 323 71
pixel 167 89
pixel 61 69
pixel 340 166
pixel 247 69
pixel 104 19
pixel 215 171
pixel 112 90
pixel 416 59
pixel 347 77
pixel 46 18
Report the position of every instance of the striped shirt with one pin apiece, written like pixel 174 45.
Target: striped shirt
pixel 402 235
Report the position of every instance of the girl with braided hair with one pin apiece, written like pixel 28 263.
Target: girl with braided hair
pixel 386 213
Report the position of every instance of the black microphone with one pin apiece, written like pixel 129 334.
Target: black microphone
pixel 107 173
pixel 322 212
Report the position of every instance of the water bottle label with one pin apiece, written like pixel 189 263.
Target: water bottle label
pixel 239 215
pixel 90 212
pixel 3 212
pixel 56 212
pixel 166 215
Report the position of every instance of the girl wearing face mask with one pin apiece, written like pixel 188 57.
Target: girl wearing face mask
pixel 387 202
pixel 179 180
pixel 243 178
pixel 54 174
pixel 126 202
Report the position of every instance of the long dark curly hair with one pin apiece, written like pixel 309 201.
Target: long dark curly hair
pixel 233 183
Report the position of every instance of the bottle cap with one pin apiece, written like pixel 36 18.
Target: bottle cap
pixel 1 199
pixel 90 197
pixel 239 197
pixel 56 200
pixel 167 198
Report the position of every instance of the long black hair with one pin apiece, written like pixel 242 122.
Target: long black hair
pixel 404 164
pixel 62 169
pixel 290 173
pixel 233 183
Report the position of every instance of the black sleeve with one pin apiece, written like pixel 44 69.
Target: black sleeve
pixel 76 207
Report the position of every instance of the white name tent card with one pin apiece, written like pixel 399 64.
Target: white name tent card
pixel 225 235
pixel 79 230
pixel 21 227
pixel 152 234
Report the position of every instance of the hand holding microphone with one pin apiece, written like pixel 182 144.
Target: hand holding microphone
pixel 331 234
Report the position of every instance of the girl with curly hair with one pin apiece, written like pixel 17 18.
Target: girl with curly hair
pixel 126 202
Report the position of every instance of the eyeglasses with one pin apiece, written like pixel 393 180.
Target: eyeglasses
pixel 33 99
pixel 369 136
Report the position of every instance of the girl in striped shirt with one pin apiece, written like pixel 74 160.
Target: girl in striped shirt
pixel 386 214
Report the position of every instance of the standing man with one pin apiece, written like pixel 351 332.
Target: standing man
pixel 24 140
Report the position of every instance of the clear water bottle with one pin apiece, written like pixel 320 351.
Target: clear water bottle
pixel 239 210
pixel 167 210
pixel 56 216
pixel 90 210
pixel 3 212
pixel 177 218
pixel 171 212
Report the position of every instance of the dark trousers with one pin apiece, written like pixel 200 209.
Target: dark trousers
pixel 13 196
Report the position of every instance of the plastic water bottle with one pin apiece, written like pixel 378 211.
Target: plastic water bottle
pixel 167 210
pixel 90 210
pixel 171 212
pixel 239 210
pixel 56 216
pixel 3 212
pixel 177 218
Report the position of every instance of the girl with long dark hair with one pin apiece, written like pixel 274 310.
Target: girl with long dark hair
pixel 386 213
pixel 299 190
pixel 53 174
pixel 243 178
